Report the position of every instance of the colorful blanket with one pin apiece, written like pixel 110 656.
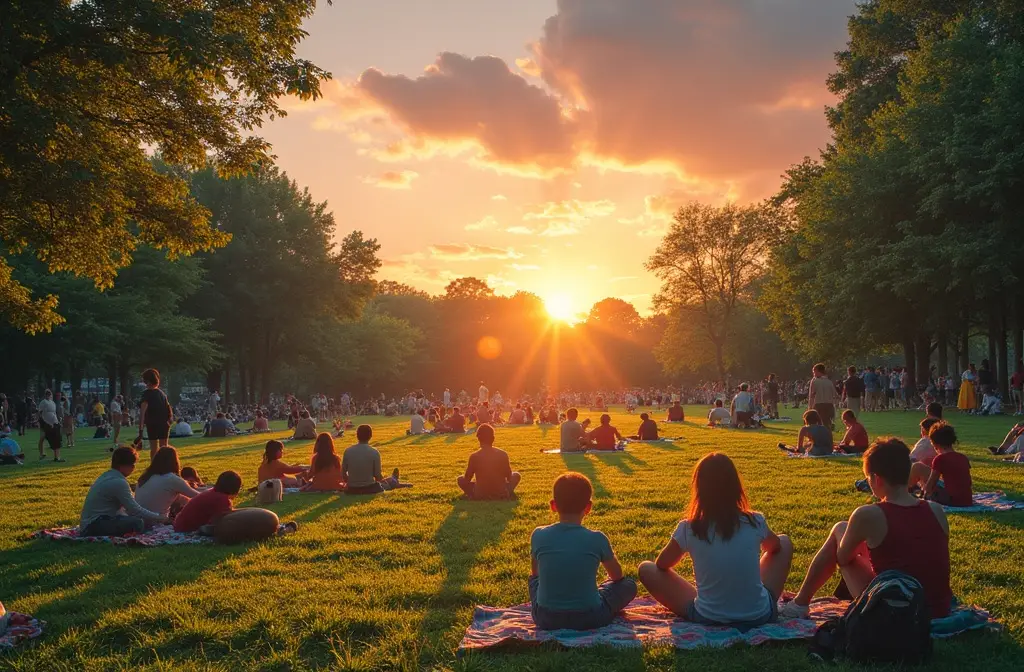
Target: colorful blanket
pixel 646 622
pixel 21 627
pixel 159 535
pixel 593 451
pixel 821 457
pixel 987 501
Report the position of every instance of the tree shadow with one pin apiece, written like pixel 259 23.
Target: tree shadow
pixel 622 461
pixel 581 463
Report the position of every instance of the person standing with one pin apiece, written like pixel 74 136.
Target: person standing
pixel 116 416
pixel 821 396
pixel 154 412
pixel 853 390
pixel 447 398
pixel 49 426
pixel 772 396
pixel 483 394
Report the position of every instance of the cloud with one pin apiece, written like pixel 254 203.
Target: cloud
pixel 499 197
pixel 729 91
pixel 524 267
pixel 520 230
pixel 570 209
pixel 466 252
pixel 392 179
pixel 488 222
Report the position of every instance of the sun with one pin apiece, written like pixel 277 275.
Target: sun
pixel 560 307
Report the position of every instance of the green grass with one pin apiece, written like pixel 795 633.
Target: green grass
pixel 390 582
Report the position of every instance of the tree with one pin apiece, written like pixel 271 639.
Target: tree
pixel 86 87
pixel 709 261
pixel 614 316
pixel 468 288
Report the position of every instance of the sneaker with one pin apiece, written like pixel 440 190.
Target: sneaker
pixel 59 460
pixel 287 528
pixel 782 446
pixel 791 610
pixel 862 485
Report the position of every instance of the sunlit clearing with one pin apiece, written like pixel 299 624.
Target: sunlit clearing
pixel 560 307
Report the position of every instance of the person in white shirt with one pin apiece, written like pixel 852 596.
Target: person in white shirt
pixel 483 393
pixel 719 415
pixel 418 423
pixel 214 402
pixel 161 489
pixel 181 429
pixel 116 417
pixel 498 400
pixel 49 426
pixel 924 452
pixel 447 398
pixel 991 405
pixel 742 407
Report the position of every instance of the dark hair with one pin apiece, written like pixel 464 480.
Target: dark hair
pixel 849 415
pixel 717 498
pixel 942 434
pixel 455 409
pixel 123 457
pixel 485 433
pixel 718 403
pixel 303 414
pixel 151 377
pixel 771 376
pixel 273 450
pixel 228 483
pixel 605 419
pixel 889 459
pixel 645 416
pixel 928 423
pixel 220 415
pixel 572 414
pixel 811 417
pixel 164 462
pixel 852 370
pixel 934 409
pixel 324 456
pixel 819 367
pixel 364 433
pixel 423 411
pixel 572 493
pixel 190 474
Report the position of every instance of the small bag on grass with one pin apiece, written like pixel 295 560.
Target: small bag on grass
pixel 270 491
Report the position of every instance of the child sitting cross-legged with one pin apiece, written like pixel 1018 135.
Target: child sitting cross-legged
pixel 565 556
pixel 951 466
pixel 739 565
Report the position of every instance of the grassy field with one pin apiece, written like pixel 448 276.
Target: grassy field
pixel 390 582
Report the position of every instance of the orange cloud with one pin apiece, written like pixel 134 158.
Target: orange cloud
pixel 487 222
pixel 466 252
pixel 392 179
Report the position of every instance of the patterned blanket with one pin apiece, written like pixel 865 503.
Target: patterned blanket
pixel 987 501
pixel 21 627
pixel 160 535
pixel 821 457
pixel 647 622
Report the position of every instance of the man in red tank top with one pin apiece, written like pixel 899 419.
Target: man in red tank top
pixel 901 532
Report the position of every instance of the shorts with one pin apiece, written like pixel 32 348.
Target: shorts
pixel 158 431
pixel 695 616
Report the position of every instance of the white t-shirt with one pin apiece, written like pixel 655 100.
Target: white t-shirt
pixel 447 398
pixel 719 415
pixel 182 429
pixel 159 492
pixel 47 411
pixel 115 407
pixel 923 451
pixel 417 425
pixel 744 402
pixel 728 573
pixel 483 393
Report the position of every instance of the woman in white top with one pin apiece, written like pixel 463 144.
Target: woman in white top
pixel 735 583
pixel 49 426
pixel 161 489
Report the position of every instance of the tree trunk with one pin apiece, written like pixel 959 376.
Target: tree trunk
pixel 213 380
pixel 227 381
pixel 126 387
pixel 923 350
pixel 943 349
pixel 75 374
pixel 910 357
pixel 1003 380
pixel 243 384
pixel 993 330
pixel 965 349
pixel 1018 333
pixel 720 361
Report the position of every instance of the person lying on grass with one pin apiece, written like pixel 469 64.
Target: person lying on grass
pixel 719 416
pixel 814 438
pixel 900 532
pixel 110 509
pixel 648 430
pixel 951 466
pixel 361 470
pixel 1012 443
pixel 488 474
pixel 855 440
pixel 739 565
pixel 291 475
pixel 325 473
pixel 565 557
pixel 161 487
pixel 676 413
pixel 603 437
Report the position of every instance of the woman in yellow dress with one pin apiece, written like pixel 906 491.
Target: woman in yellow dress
pixel 968 401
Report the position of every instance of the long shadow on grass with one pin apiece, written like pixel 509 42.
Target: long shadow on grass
pixel 622 461
pixel 469 528
pixel 581 463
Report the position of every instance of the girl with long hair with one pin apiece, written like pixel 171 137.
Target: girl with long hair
pixel 161 488
pixel 325 467
pixel 739 565
pixel 274 467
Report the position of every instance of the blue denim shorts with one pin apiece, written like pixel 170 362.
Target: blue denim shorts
pixel 695 616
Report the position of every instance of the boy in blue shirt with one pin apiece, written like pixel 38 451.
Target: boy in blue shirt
pixel 563 584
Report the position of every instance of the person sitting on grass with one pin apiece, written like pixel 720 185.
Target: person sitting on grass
pixel 220 427
pixel 418 423
pixel 603 437
pixel 676 413
pixel 209 507
pixel 739 565
pixel 719 415
pixel 991 404
pixel 305 428
pixel 290 475
pixel 260 424
pixel 454 423
pixel 648 430
pixel 488 474
pixel 324 474
pixel 814 438
pixel 951 466
pixel 565 557
pixel 855 440
pixel 571 433
pixel 924 451
pixel 742 408
pixel 548 415
pixel 192 477
pixel 361 470
pixel 161 487
pixel 110 509
pixel 181 429
pixel 517 416
pixel 900 532
pixel 1012 444
pixel 934 410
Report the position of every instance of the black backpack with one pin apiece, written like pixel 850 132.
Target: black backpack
pixel 889 623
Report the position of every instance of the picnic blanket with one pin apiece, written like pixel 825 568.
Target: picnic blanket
pixel 647 622
pixel 592 451
pixel 664 439
pixel 987 501
pixel 820 457
pixel 159 535
pixel 20 628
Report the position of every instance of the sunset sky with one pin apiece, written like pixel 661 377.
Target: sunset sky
pixel 543 145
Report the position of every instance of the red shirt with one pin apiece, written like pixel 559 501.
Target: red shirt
pixel 955 471
pixel 857 436
pixel 916 544
pixel 604 437
pixel 201 509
